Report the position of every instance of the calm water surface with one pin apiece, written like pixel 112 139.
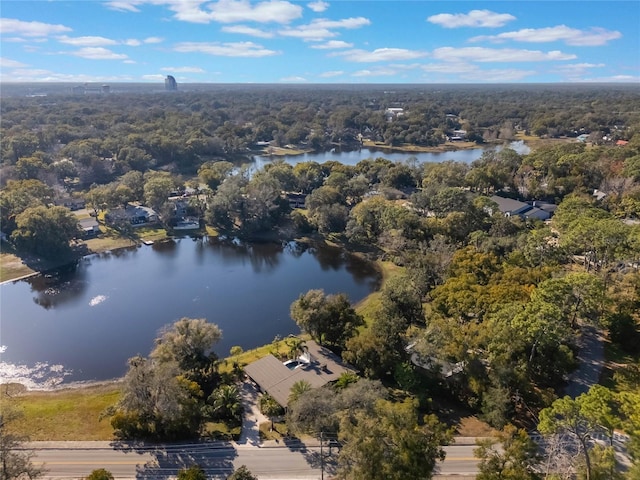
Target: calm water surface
pixel 84 324
pixel 355 156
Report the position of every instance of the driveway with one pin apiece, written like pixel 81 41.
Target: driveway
pixel 252 417
pixel 591 362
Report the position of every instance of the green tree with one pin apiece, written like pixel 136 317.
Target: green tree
pixel 391 444
pixel 242 473
pixel 45 231
pixel 580 418
pixel 327 318
pixel 100 474
pixel 400 298
pixel 515 459
pixel 17 196
pixel 270 407
pixel 189 342
pixel 157 187
pixel 194 472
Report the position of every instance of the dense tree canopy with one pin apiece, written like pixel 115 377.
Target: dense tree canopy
pixel 45 231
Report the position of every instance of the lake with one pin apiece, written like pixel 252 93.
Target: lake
pixel 84 322
pixel 355 156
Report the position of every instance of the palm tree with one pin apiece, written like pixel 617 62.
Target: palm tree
pixel 297 389
pixel 296 345
pixel 225 402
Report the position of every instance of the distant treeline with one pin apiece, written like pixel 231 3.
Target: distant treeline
pixel 183 129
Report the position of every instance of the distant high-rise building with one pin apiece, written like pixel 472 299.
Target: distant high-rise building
pixel 106 89
pixel 170 84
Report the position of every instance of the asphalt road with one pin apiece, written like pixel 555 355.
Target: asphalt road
pixel 273 462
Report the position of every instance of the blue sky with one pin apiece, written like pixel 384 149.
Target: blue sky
pixel 342 41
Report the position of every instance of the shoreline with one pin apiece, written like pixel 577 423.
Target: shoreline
pixel 21 388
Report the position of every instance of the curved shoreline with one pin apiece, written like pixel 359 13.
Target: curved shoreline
pixel 23 386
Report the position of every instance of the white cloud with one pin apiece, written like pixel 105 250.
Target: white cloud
pixel 578 67
pixel 154 76
pixel 234 11
pixel 293 79
pixel 333 45
pixel 575 72
pixel 449 67
pixel 571 36
pixel 222 11
pixel 125 5
pixel 88 41
pixel 36 75
pixel 377 72
pixel 405 66
pixel 98 53
pixel 183 69
pixel 475 18
pixel 499 75
pixel 615 79
pixel 30 29
pixel 93 41
pixel 246 30
pixel 237 49
pixel 333 73
pixel 380 55
pixel 30 72
pixel 321 28
pixel 481 54
pixel 129 61
pixel 349 23
pixel 318 6
pixel 308 33
pixel 8 63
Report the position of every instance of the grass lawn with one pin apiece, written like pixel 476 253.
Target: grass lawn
pixel 148 234
pixel 371 303
pixel 279 430
pixel 108 241
pixel 536 142
pixel 66 414
pixel 11 267
pixel 221 431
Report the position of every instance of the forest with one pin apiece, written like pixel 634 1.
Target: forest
pixel 484 310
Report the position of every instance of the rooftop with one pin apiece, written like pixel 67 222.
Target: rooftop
pixel 273 377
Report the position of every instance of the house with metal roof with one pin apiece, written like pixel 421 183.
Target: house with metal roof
pixel 317 365
pixel 535 210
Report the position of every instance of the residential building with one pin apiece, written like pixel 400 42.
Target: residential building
pixel 537 210
pixel 136 215
pixel 317 365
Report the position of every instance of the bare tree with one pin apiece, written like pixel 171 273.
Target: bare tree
pixel 15 459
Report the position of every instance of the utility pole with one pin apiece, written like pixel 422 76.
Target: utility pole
pixel 321 456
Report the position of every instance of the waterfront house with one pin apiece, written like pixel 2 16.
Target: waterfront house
pixel 317 365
